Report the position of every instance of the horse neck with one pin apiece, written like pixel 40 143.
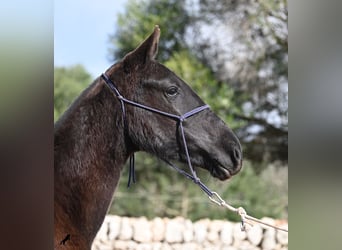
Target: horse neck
pixel 90 150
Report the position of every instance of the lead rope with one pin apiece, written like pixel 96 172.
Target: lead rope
pixel 131 175
pixel 213 196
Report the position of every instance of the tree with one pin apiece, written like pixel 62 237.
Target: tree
pixel 245 44
pixel 242 45
pixel 138 21
pixel 68 84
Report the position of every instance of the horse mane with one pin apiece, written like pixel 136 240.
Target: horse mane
pixel 89 92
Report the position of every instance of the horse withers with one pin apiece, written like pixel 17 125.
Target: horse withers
pixel 98 133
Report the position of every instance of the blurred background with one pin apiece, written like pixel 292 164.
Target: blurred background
pixel 30 39
pixel 234 54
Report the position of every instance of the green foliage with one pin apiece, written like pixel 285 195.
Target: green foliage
pixel 160 191
pixel 260 196
pixel 255 60
pixel 68 84
pixel 138 21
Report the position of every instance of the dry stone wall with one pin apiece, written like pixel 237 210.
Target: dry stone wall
pixel 123 233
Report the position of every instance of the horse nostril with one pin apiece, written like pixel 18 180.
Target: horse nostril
pixel 236 157
pixel 237 154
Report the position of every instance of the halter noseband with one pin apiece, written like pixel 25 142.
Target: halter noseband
pixel 179 118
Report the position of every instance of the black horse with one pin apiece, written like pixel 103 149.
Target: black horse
pixel 101 130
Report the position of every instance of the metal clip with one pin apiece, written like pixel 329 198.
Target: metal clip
pixel 217 199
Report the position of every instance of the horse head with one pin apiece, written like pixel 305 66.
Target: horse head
pixel 210 142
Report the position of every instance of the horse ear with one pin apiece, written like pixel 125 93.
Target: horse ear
pixel 146 51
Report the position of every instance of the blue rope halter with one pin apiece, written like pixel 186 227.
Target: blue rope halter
pixel 179 118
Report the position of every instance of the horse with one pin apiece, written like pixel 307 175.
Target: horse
pixel 100 130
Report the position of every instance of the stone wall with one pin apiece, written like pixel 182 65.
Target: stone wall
pixel 123 233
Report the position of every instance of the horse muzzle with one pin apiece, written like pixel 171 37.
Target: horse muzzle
pixel 228 164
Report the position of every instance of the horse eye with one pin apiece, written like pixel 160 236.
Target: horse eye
pixel 172 91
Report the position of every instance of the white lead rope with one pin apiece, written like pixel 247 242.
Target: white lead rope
pixel 245 218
